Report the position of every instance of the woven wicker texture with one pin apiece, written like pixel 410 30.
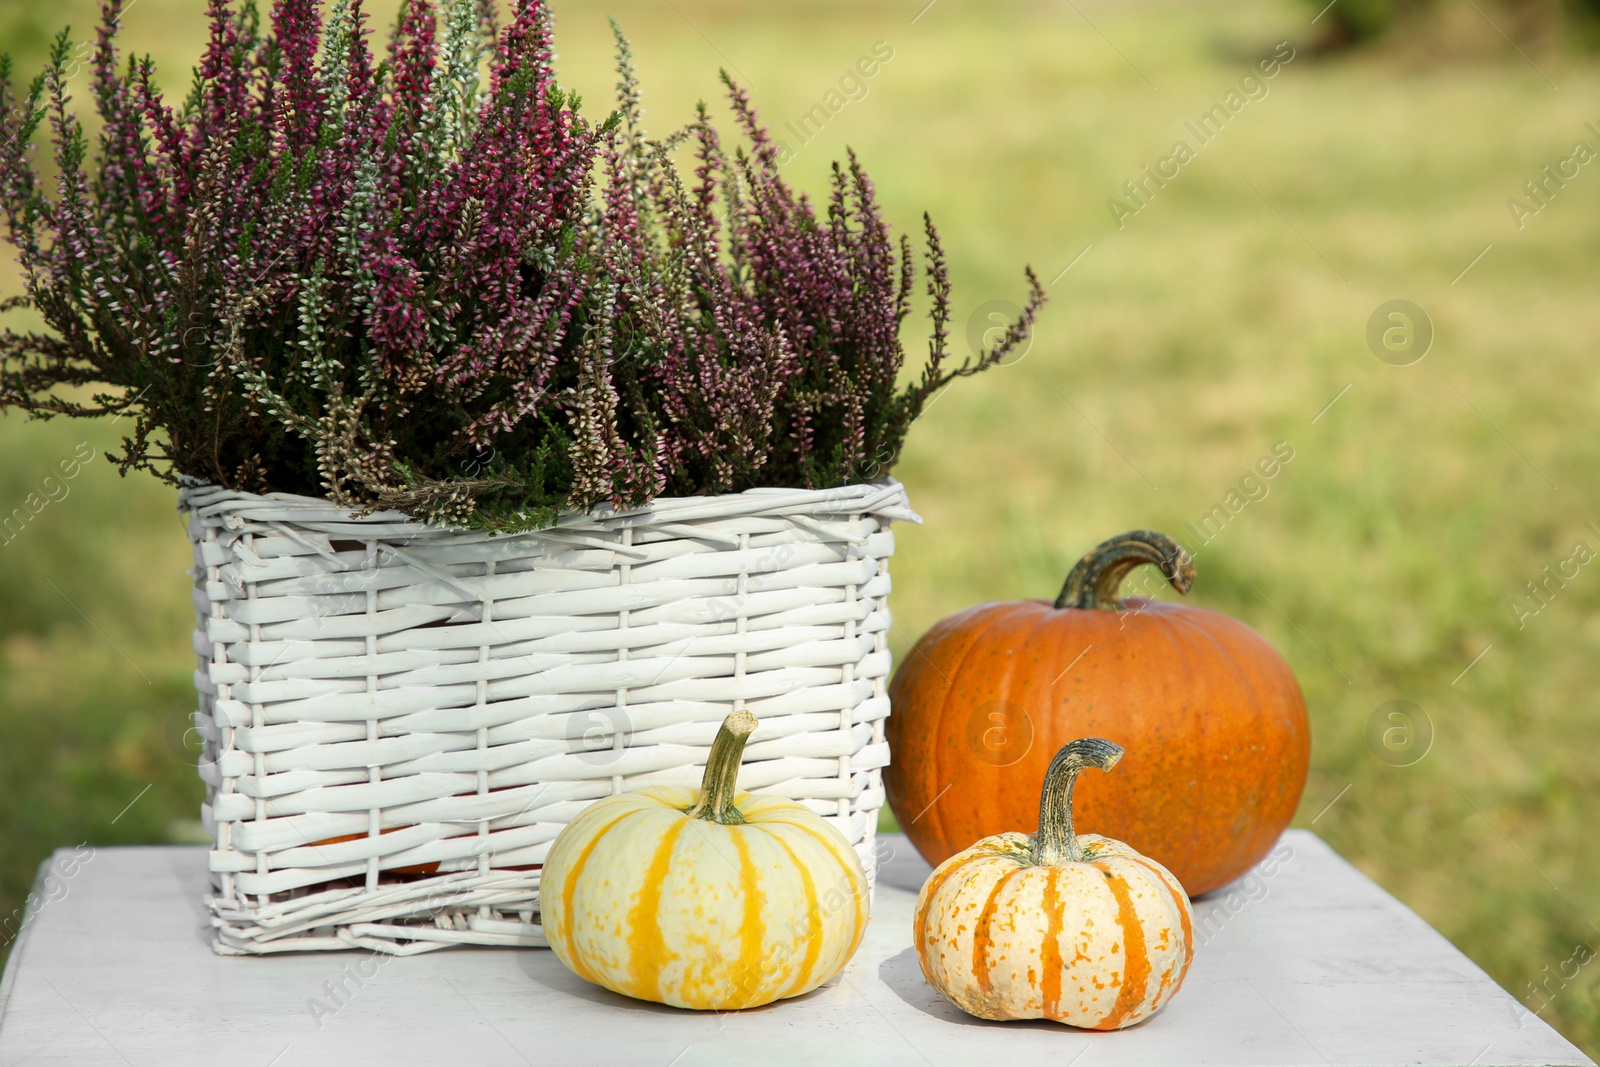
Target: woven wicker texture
pixel 398 719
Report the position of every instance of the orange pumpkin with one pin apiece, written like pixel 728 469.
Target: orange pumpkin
pixel 415 868
pixel 1212 717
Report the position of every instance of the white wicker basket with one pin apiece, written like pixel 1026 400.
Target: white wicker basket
pixel 398 719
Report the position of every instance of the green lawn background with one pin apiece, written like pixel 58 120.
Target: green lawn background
pixel 1221 320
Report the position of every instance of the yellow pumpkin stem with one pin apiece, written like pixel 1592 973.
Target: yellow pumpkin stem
pixel 1056 842
pixel 1094 582
pixel 721 780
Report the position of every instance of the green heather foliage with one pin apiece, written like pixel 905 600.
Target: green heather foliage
pixel 430 283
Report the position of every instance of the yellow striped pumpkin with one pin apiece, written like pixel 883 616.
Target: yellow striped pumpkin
pixel 704 898
pixel 1081 930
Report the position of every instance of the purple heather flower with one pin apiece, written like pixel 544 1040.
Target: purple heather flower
pixel 433 285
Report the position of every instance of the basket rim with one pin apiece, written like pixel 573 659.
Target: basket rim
pixel 885 498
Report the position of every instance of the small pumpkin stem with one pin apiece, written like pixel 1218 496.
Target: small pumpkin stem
pixel 1056 843
pixel 1094 582
pixel 721 780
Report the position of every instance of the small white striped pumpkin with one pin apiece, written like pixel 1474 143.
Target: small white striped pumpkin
pixel 704 898
pixel 1081 930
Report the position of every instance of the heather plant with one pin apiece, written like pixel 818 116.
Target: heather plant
pixel 429 283
pixel 320 273
pixel 770 335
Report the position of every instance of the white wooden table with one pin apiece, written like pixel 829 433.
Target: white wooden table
pixel 1308 963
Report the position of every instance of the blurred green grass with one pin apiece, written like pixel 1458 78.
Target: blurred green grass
pixel 1222 319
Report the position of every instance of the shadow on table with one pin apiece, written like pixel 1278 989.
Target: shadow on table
pixel 184 865
pixel 899 866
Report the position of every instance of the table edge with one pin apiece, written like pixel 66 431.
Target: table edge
pixel 8 978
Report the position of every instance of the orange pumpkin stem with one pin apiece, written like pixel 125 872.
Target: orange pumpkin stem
pixel 721 779
pixel 1056 842
pixel 1095 581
